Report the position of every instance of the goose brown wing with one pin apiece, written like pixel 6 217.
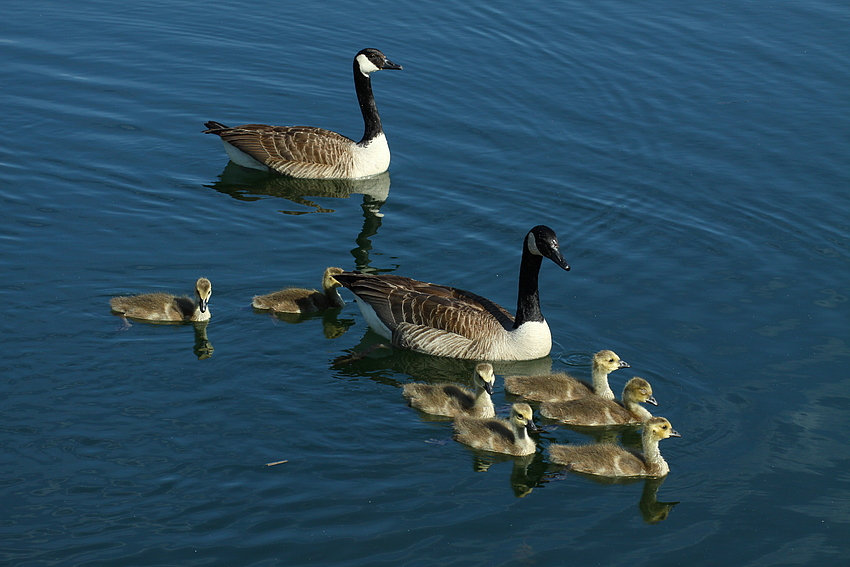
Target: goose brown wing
pixel 397 300
pixel 292 150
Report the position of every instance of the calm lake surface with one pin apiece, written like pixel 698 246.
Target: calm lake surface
pixel 691 156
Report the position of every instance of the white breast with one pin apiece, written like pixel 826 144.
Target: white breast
pixel 371 158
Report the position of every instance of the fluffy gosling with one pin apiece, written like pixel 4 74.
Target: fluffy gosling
pixel 605 459
pixel 499 435
pixel 561 387
pixel 166 307
pixel 299 300
pixel 595 410
pixel 451 400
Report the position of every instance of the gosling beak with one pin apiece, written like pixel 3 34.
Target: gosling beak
pixel 202 305
pixel 651 400
pixel 624 364
pixel 390 65
pixel 530 427
pixel 488 387
pixel 674 433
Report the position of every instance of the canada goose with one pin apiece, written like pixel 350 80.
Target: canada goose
pixel 498 435
pixel 446 321
pixel 451 400
pixel 561 387
pixel 606 459
pixel 166 307
pixel 306 151
pixel 299 300
pixel 595 410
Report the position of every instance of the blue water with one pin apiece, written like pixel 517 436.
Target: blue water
pixel 692 157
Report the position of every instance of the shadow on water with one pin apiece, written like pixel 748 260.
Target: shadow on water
pixel 252 185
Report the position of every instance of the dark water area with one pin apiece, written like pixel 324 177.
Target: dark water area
pixel 692 158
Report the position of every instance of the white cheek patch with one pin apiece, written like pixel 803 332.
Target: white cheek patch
pixel 366 66
pixel 532 245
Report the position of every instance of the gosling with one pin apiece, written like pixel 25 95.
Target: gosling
pixel 561 387
pixel 166 307
pixel 611 460
pixel 595 410
pixel 299 300
pixel 454 401
pixel 498 435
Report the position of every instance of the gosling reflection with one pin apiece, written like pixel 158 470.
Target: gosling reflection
pixel 651 509
pixel 203 348
pixel 332 326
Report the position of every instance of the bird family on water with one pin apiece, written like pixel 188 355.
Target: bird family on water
pixel 440 320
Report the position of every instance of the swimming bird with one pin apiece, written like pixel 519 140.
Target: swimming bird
pixel 498 435
pixel 451 400
pixel 560 386
pixel 607 459
pixel 446 321
pixel 595 410
pixel 300 300
pixel 166 307
pixel 306 151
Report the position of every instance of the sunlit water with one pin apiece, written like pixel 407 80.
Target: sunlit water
pixel 692 157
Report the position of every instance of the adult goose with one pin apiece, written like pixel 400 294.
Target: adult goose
pixel 596 410
pixel 451 400
pixel 561 386
pixel 607 459
pixel 164 306
pixel 306 151
pixel 446 321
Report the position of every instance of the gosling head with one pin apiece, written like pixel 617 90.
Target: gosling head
pixel 203 291
pixel 370 60
pixel 521 417
pixel 542 241
pixel 485 377
pixel 659 428
pixel 328 279
pixel 637 389
pixel 608 361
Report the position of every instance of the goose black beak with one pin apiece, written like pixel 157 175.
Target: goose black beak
pixel 652 401
pixel 558 258
pixel 390 65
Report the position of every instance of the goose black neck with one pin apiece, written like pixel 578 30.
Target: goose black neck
pixel 371 119
pixel 528 298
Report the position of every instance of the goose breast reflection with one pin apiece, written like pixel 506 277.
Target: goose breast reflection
pixel 561 386
pixel 451 400
pixel 509 436
pixel 446 321
pixel 309 152
pixel 595 410
pixel 606 459
pixel 299 300
pixel 166 307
